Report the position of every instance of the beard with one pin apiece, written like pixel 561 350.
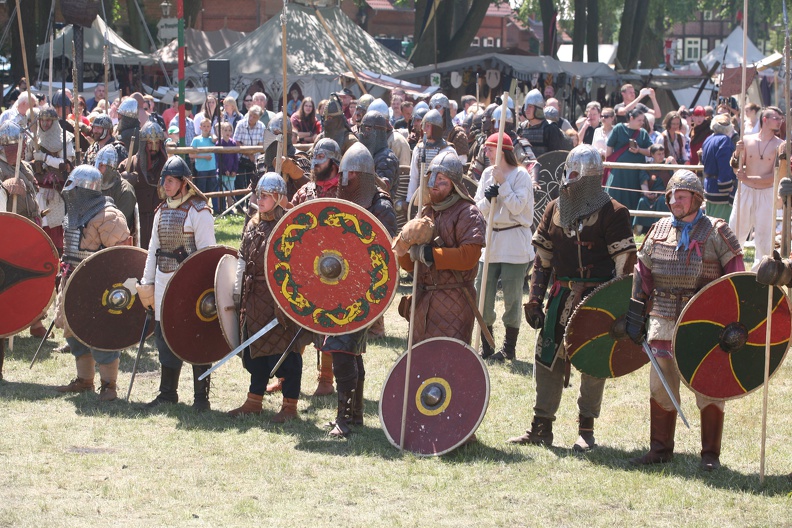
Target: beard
pixel 322 174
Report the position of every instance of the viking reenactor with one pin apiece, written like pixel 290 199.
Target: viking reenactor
pixel 416 124
pixel 481 130
pixel 24 187
pixel 335 126
pixel 295 163
pixel 583 240
pixel 143 171
pixel 114 186
pixel 510 251
pixel 679 256
pixel 445 306
pixel 542 136
pixel 358 185
pixel 522 150
pixel 102 134
pixel 324 184
pixel 62 105
pixel 183 224
pixel 455 135
pixel 92 223
pixel 128 124
pixel 426 149
pixel 258 308
pixel 51 168
pixel 373 132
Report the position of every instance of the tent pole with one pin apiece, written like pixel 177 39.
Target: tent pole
pixel 182 116
pixel 153 45
pixel 338 47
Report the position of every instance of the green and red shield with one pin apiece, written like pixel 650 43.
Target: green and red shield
pixel 28 267
pixel 719 339
pixel 595 337
pixel 330 268
pixel 447 397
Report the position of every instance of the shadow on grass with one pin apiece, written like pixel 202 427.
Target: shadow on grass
pixel 515 366
pixel 21 391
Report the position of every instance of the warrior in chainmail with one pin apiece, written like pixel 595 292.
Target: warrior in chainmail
pixel 114 186
pixel 454 134
pixel 128 124
pixel 541 135
pixel 426 149
pixel 679 256
pixel 295 165
pixel 335 126
pixel 183 224
pixel 374 131
pixel 24 187
pixel 522 149
pixel 91 223
pixel 358 185
pixel 102 134
pixel 583 240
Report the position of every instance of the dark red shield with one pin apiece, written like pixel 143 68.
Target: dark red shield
pixel 719 340
pixel 446 399
pixel 548 173
pixel 595 337
pixel 100 300
pixel 28 267
pixel 227 314
pixel 330 268
pixel 189 312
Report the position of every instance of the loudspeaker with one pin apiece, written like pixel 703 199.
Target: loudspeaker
pixel 219 75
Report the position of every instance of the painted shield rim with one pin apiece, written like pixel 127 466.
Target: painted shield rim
pixel 539 207
pixel 578 309
pixel 74 273
pixel 228 333
pixel 394 279
pixel 165 293
pixel 699 294
pixel 56 261
pixel 484 407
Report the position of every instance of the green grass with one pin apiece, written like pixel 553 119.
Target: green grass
pixel 69 461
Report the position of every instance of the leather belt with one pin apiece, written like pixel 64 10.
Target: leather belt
pixel 499 229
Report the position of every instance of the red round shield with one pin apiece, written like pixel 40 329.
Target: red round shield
pixel 28 267
pixel 100 300
pixel 719 339
pixel 188 315
pixel 447 397
pixel 227 314
pixel 330 268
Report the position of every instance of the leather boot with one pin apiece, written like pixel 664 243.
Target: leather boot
pixel 168 389
pixel 343 415
pixel 252 405
pixel 585 441
pixel 37 329
pixel 357 408
pixel 541 433
pixel 711 434
pixel 377 329
pixel 486 349
pixel 509 347
pixel 84 381
pixel 662 426
pixel 325 377
pixel 275 386
pixel 108 374
pixel 288 411
pixel 201 388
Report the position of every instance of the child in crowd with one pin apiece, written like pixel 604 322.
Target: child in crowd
pixel 227 164
pixel 205 164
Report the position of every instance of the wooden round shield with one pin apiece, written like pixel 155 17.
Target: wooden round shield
pixel 447 397
pixel 100 300
pixel 330 268
pixel 548 173
pixel 227 314
pixel 28 267
pixel 596 339
pixel 719 339
pixel 189 311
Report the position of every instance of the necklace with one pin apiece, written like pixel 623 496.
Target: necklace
pixel 761 153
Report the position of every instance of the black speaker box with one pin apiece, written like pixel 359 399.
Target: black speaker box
pixel 219 75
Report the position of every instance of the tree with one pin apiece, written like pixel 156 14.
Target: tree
pixel 449 34
pixel 631 33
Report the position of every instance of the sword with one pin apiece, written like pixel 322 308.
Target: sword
pixel 269 326
pixel 35 356
pixel 288 349
pixel 149 317
pixel 656 366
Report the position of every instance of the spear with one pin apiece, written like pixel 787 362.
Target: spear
pixel 30 115
pixel 75 112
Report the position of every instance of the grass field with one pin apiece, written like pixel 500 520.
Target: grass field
pixel 69 461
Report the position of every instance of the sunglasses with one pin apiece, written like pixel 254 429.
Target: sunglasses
pixel 248 100
pixel 606 116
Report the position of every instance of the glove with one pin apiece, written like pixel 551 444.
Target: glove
pixel 422 254
pixel 39 156
pixel 636 321
pixel 291 169
pixel 146 295
pixel 418 231
pixel 785 187
pixel 491 192
pixel 400 246
pixel 14 187
pixel 534 315
pixel 774 271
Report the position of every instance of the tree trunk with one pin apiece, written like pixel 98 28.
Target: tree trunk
pixel 631 33
pixel 592 32
pixel 548 30
pixel 137 36
pixel 29 28
pixel 579 31
pixel 449 45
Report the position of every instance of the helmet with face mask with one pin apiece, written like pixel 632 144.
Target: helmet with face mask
pixel 581 192
pixel 325 149
pixel 373 131
pixel 128 108
pixel 496 117
pixel 582 161
pixel 84 199
pixel 104 122
pixel 447 163
pixel 434 118
pixel 84 177
pixel 440 100
pixel 271 183
pixel 534 98
pixel 152 132
pixel 107 155
pixel 10 133
pixel 276 124
pixel 48 114
pixel 362 189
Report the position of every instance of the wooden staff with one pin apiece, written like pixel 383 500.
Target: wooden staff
pixel 284 126
pixel 491 215
pixel 30 115
pixel 742 116
pixel 76 114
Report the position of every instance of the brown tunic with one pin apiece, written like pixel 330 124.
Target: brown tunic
pixel 26 205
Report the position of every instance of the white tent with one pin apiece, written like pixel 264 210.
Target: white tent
pixel 200 45
pixel 734 52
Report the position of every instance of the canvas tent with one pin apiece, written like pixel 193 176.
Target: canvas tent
pixel 313 60
pixel 734 54
pixel 200 45
pixel 121 52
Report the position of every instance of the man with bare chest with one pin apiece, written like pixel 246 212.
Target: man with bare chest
pixel 754 202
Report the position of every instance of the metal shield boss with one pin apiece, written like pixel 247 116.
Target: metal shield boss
pixel 595 338
pixel 28 267
pixel 189 309
pixel 719 339
pixel 330 268
pixel 100 300
pixel 548 173
pixel 227 314
pixel 447 397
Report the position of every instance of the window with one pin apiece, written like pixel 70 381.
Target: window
pixel 692 49
pixel 476 43
pixel 497 42
pixel 489 42
pixel 708 15
pixel 680 50
pixel 704 46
